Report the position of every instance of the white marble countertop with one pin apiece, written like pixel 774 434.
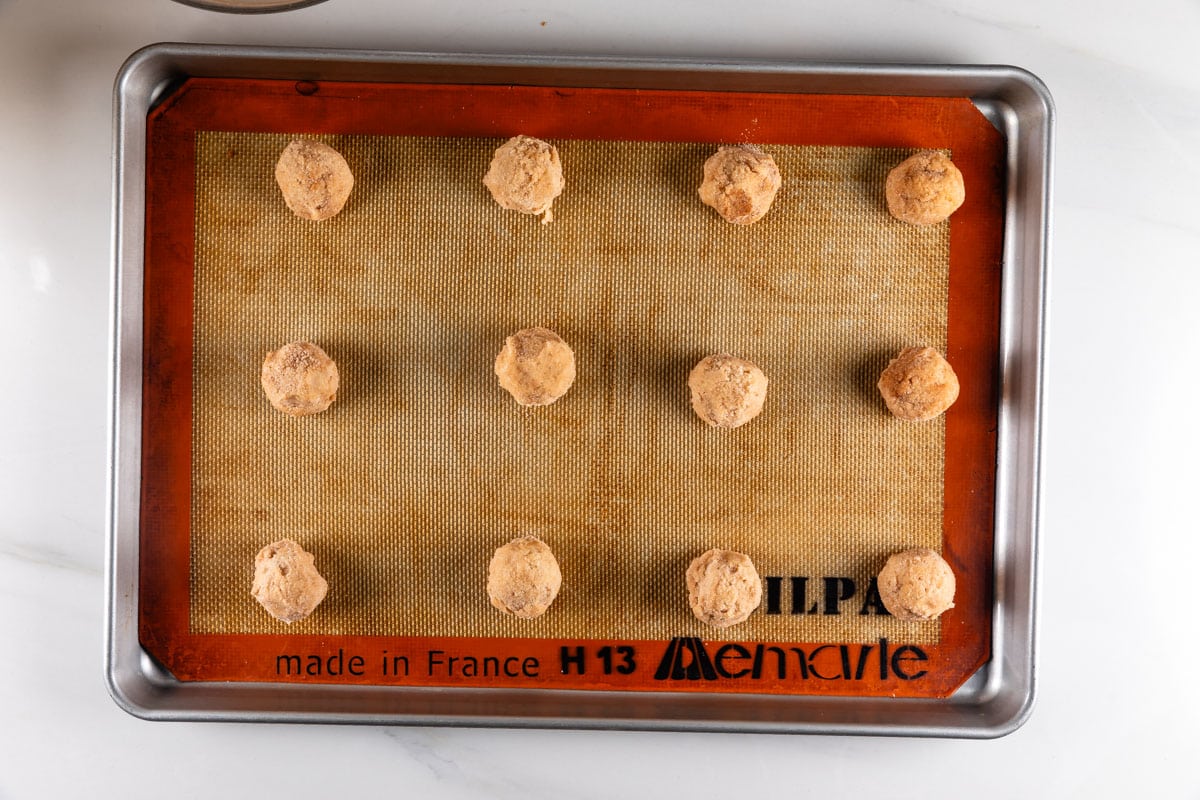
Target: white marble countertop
pixel 1119 642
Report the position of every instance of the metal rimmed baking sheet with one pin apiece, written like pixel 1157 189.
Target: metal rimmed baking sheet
pixel 999 694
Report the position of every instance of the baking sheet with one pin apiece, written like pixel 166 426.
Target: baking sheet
pixel 1014 101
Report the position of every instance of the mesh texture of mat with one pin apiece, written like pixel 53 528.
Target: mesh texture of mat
pixel 424 465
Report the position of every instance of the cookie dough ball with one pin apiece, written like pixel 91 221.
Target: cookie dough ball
pixel 918 384
pixel 740 182
pixel 526 176
pixel 314 178
pixel 536 366
pixel 523 578
pixel 917 584
pixel 727 391
pixel 723 587
pixel 924 189
pixel 300 379
pixel 286 581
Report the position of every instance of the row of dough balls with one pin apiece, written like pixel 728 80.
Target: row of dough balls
pixel 524 578
pixel 537 367
pixel 525 175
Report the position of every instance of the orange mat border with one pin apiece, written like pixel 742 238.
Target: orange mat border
pixel 976 244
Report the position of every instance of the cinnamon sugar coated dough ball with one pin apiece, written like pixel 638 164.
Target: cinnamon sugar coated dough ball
pixel 917 584
pixel 523 578
pixel 924 189
pixel 918 384
pixel 314 178
pixel 740 182
pixel 300 379
pixel 286 581
pixel 723 587
pixel 526 175
pixel 536 366
pixel 727 391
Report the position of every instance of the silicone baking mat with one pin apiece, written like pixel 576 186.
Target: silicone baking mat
pixel 424 465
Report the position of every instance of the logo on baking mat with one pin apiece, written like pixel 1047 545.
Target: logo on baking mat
pixel 685 660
